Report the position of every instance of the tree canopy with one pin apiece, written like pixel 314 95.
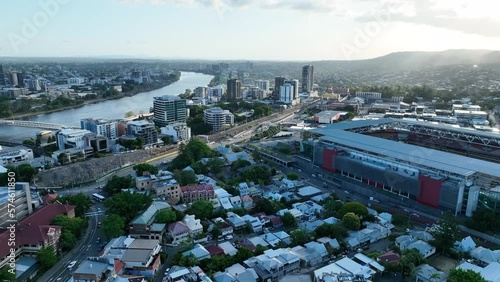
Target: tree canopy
pixel 141 168
pixel 166 216
pixel 215 165
pixel 46 257
pixel 351 221
pixel 461 275
pixel 259 174
pixel 127 204
pixel 331 230
pixel 202 209
pixel 355 207
pixel 113 226
pixel 300 237
pixel 185 177
pixel 117 183
pixel 81 202
pixel 288 220
pixel 194 151
pixel 446 233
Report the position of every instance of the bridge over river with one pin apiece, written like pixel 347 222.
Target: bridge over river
pixel 35 124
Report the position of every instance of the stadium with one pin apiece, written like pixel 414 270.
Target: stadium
pixel 440 166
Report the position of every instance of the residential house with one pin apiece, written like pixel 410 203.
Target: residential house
pixel 274 264
pixel 344 269
pixel 421 235
pixel 427 273
pixel 253 222
pixel 193 224
pixel 295 212
pixel 404 241
pixel 178 232
pixel 192 194
pixel 258 241
pixel 235 201
pixel 226 203
pixel 366 261
pixel 310 226
pixel 466 245
pixel 485 256
pixel 308 208
pixel 199 252
pixel 490 273
pixel 247 202
pixel 331 220
pixel 168 189
pixel 264 219
pixel 181 273
pixel 271 239
pixel 275 221
pixel 225 228
pixel 142 225
pixel 389 257
pixel 283 236
pixel 236 221
pixel 313 253
pixel 332 243
pixel 236 273
pixel 424 248
pixel 228 248
pixel 243 189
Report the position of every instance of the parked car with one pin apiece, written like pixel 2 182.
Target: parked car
pixel 98 240
pixel 99 224
pixel 228 237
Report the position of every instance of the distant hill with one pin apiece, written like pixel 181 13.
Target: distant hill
pixel 401 61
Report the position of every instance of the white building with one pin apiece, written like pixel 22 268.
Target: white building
pixel 193 225
pixel 200 92
pixel 286 94
pixel 15 155
pixel 72 138
pixel 75 80
pixel 295 84
pixel 369 95
pixel 179 131
pixel 21 200
pixel 101 127
pixel 263 85
pixel 218 118
pixel 254 222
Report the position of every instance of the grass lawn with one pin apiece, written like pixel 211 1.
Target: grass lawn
pixel 442 263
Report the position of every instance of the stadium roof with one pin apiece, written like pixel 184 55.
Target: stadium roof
pixel 453 163
pixel 352 125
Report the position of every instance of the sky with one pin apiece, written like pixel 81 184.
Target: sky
pixel 305 30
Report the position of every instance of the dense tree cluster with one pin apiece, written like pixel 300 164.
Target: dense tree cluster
pixel 117 183
pixel 143 167
pixel 194 151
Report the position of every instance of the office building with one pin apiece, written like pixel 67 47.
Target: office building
pixel 169 109
pixel 101 127
pixel 179 131
pixel 278 82
pixel 21 201
pixel 72 138
pixel 144 129
pixel 218 118
pixel 234 89
pixel 286 94
pixel 369 95
pixel 2 76
pixel 75 80
pixel 20 79
pixel 200 92
pixel 307 78
pixel 33 84
pixel 263 85
pixel 295 84
pixel 15 155
pixel 13 79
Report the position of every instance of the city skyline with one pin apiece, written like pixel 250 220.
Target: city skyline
pixel 250 30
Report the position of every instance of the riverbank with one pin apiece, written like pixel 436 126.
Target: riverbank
pixel 94 101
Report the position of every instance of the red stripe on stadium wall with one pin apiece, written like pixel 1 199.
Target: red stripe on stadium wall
pixel 329 159
pixel 430 190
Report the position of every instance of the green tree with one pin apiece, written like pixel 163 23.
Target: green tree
pixel 351 221
pixel 331 230
pixel 257 174
pixel 166 216
pixel 355 207
pixel 129 114
pixel 117 183
pixel 239 163
pixel 446 233
pixel 299 237
pixel 264 205
pixel 6 274
pixel 401 220
pixel 25 172
pixel 216 232
pixel 185 177
pixel 74 226
pixel 461 275
pixel 38 141
pixel 215 165
pixel 259 249
pixel 331 207
pixel 29 142
pixel 127 204
pixel 242 254
pixel 167 140
pixel 292 176
pixel 46 257
pixel 113 226
pixel 202 209
pixel 141 168
pixel 81 202
pixel 288 220
pixel 484 220
pixel 68 241
pixel 410 259
pixel 63 158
